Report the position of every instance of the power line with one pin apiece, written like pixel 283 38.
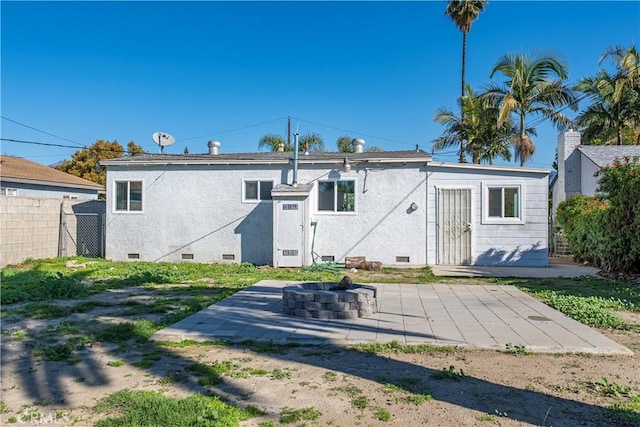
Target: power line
pixel 37 143
pixel 233 130
pixel 354 132
pixel 42 131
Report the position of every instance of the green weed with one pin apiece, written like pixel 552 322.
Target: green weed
pixel 360 402
pixel 330 376
pixel 382 415
pixel 448 373
pixel 516 350
pixel 140 330
pixel 397 348
pixel 115 363
pixel 289 415
pixel 280 374
pixel 611 388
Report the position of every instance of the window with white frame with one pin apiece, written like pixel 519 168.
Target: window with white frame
pixel 8 191
pixel 502 203
pixel 255 191
pixel 128 196
pixel 336 196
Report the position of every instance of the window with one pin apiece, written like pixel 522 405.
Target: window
pixel 336 196
pixel 254 191
pixel 129 196
pixel 8 191
pixel 503 204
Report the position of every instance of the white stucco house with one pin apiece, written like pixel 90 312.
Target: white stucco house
pixel 396 207
pixel 578 164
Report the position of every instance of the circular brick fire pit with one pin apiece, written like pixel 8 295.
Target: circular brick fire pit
pixel 316 300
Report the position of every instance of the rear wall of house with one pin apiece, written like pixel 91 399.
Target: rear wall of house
pixel 503 244
pixel 198 213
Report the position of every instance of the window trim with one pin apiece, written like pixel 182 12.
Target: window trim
pixel 115 196
pixel 486 219
pixel 258 180
pixel 335 195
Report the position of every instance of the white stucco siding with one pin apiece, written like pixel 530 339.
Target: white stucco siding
pixel 191 210
pixel 588 180
pixel 521 244
pixel 382 227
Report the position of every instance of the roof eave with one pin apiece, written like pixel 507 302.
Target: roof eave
pixel 96 187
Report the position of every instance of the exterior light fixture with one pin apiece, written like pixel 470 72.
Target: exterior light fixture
pixel 414 206
pixel 346 166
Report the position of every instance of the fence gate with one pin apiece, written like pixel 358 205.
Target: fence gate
pixel 81 234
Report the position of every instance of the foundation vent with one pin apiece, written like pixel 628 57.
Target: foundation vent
pixel 402 259
pixel 187 256
pixel 228 257
pixel 133 256
pixel 328 258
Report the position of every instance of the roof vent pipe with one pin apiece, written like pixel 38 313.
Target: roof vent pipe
pixel 358 145
pixel 214 147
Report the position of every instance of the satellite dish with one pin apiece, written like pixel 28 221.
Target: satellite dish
pixel 163 139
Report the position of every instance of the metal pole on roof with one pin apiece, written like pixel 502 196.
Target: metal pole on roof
pixel 295 159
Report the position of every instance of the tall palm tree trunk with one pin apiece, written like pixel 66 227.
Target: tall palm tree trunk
pixel 463 157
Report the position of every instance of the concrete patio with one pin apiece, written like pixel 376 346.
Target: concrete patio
pixel 470 316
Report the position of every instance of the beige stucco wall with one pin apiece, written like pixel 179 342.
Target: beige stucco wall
pixel 30 227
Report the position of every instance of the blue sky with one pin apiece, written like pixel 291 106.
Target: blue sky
pixel 234 71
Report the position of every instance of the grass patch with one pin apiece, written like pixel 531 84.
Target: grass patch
pixel 397 348
pixel 39 285
pixel 289 415
pixel 589 300
pixel 192 343
pixel 138 408
pixel 628 411
pixel 330 376
pixel 140 330
pixel 115 363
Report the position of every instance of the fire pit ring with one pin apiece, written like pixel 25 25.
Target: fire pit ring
pixel 321 300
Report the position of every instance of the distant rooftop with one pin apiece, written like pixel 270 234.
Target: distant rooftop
pixel 603 155
pixel 17 169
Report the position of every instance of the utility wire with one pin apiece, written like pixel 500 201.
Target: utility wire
pixel 104 150
pixel 42 131
pixel 354 132
pixel 233 130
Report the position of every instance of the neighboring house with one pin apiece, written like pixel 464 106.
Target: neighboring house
pixel 578 164
pixel 20 177
pixel 397 207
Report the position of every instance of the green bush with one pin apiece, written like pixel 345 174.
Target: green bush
pixel 605 230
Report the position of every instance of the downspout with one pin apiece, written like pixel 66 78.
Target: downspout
pixel 426 209
pixel 295 160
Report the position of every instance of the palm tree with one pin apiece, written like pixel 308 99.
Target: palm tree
pixel 272 141
pixel 615 107
pixel 485 139
pixel 311 141
pixel 607 117
pixel 463 13
pixel 344 145
pixel 534 86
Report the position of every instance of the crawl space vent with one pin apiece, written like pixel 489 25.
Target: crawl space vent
pixel 402 259
pixel 328 258
pixel 228 257
pixel 187 256
pixel 133 256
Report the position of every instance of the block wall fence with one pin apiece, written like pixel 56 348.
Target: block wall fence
pixel 31 227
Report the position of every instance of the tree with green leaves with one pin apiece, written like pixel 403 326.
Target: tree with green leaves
pixel 313 141
pixel 613 116
pixel 485 139
pixel 534 86
pixel 463 13
pixel 344 144
pixel 85 163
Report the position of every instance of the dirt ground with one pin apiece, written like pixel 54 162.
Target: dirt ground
pixel 348 387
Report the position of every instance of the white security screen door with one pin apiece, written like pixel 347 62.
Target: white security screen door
pixel 290 233
pixel 454 226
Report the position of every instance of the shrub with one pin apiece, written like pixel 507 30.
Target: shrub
pixel 604 230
